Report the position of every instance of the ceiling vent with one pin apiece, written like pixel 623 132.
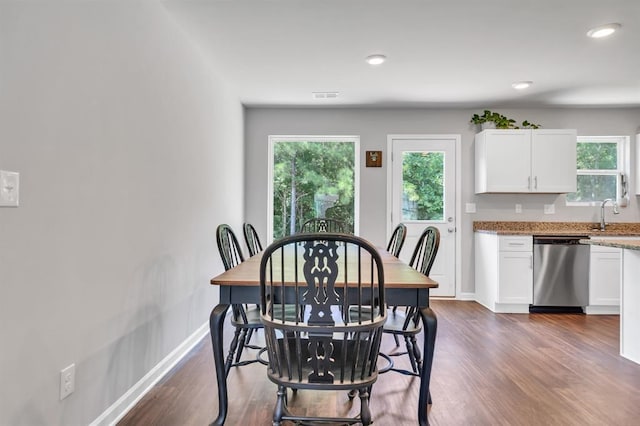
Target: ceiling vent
pixel 324 95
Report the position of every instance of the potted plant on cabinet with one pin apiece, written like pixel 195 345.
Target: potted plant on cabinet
pixel 494 120
pixel 527 125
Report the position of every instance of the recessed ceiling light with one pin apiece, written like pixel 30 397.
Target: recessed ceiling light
pixel 603 30
pixel 376 59
pixel 324 95
pixel 521 85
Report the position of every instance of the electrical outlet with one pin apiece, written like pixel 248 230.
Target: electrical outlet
pixel 67 381
pixel 549 209
pixel 9 188
pixel 518 208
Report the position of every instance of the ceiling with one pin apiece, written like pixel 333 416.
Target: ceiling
pixel 441 53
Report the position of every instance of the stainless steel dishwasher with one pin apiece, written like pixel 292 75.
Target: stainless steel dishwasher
pixel 560 274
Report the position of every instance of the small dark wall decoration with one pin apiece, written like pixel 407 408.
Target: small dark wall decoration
pixel 374 158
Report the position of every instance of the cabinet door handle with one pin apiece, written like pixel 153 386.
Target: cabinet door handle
pixel 535 184
pixel 531 262
pixel 529 183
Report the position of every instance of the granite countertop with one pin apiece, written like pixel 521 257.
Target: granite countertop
pixel 612 242
pixel 558 228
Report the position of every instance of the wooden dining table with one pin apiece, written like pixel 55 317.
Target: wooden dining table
pixel 404 286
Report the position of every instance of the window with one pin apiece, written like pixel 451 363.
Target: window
pixel 312 176
pixel 601 169
pixel 423 185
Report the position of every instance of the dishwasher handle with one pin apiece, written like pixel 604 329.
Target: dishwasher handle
pixel 573 240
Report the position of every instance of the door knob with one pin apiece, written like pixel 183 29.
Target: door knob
pixel 451 230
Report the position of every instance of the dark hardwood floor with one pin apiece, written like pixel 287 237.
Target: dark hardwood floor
pixel 489 369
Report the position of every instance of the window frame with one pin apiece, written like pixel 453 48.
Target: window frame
pixel 273 139
pixel 622 190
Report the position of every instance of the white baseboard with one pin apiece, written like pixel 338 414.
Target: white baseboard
pixel 460 296
pixel 602 310
pixel 131 397
pixel 466 296
pixel 511 308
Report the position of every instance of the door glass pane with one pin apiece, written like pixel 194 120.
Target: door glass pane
pixel 312 179
pixel 423 186
pixel 594 188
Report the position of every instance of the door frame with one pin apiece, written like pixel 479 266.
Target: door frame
pixel 457 139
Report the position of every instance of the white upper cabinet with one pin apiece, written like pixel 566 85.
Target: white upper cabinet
pixel 553 160
pixel 525 160
pixel 503 161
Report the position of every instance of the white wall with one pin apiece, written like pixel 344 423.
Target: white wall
pixel 373 126
pixel 130 153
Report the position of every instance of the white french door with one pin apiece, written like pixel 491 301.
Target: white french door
pixel 423 193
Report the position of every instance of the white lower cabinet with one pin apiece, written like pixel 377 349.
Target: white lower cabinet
pixel 504 272
pixel 515 277
pixel 605 267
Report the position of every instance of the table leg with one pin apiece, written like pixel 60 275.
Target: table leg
pixel 430 323
pixel 216 324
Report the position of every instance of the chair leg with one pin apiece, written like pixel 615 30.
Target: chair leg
pixel 395 337
pixel 232 350
pixel 365 413
pixel 241 340
pixel 280 409
pixel 416 353
pixel 410 351
pixel 248 338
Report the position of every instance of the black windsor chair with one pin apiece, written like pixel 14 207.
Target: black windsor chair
pixel 245 319
pixel 405 321
pixel 394 247
pixel 322 348
pixel 397 240
pixel 251 238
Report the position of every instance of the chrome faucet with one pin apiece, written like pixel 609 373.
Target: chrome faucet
pixel 615 211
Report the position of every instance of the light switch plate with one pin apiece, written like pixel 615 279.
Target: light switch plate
pixel 549 209
pixel 470 208
pixel 9 188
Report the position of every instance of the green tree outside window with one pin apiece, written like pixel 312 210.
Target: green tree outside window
pixel 312 179
pixel 598 169
pixel 423 186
